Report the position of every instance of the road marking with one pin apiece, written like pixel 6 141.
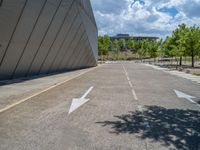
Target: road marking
pixel 78 102
pixel 43 91
pixel 134 94
pixel 125 71
pixel 186 96
pixel 145 122
pixel 88 91
pixel 130 84
pixel 140 108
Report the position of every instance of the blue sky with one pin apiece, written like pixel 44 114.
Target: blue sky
pixel 144 17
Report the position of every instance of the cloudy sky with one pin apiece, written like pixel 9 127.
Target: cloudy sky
pixel 144 17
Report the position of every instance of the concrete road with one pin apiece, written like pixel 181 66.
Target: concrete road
pixel 14 91
pixel 130 107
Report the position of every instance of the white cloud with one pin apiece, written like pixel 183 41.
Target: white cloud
pixel 119 16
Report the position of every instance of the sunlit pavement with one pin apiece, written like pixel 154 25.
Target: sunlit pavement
pixel 122 106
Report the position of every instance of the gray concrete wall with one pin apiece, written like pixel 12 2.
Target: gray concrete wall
pixel 46 36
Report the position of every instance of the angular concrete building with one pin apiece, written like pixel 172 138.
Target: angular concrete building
pixel 46 36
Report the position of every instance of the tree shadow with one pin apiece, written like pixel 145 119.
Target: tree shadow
pixel 198 101
pixel 171 127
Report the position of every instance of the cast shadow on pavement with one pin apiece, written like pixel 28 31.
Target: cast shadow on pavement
pixel 171 127
pixel 198 101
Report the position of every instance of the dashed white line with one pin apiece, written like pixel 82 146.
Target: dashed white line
pixel 130 84
pixel 134 94
pixel 145 121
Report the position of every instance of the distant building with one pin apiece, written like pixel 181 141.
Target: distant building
pixel 140 38
pixel 136 38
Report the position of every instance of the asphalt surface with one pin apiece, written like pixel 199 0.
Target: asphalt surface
pixel 131 107
pixel 13 91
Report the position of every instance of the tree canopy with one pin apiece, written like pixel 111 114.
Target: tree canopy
pixel 184 41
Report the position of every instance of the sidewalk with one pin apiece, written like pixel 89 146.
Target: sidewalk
pixel 184 75
pixel 19 90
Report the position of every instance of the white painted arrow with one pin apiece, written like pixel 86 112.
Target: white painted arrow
pixel 186 96
pixel 77 102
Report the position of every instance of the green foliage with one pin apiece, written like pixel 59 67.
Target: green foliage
pixel 122 43
pixel 184 41
pixel 153 48
pixel 193 42
pixel 133 46
pixel 142 51
pixel 115 45
pixel 104 44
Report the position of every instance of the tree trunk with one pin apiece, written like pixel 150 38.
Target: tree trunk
pixel 176 59
pixel 117 55
pixel 185 60
pixel 154 59
pixel 192 58
pixel 101 56
pixel 180 63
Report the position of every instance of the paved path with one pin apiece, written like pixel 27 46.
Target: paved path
pixel 184 75
pixel 13 92
pixel 128 107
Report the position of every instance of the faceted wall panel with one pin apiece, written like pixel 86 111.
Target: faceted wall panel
pixel 46 36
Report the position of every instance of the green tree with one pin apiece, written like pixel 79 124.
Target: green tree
pixel 143 47
pixel 122 43
pixel 100 45
pixel 153 49
pixel 179 41
pixel 104 45
pixel 115 45
pixel 161 52
pixel 193 42
pixel 132 45
pixel 184 41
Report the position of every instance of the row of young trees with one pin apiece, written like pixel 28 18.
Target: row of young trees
pixel 184 41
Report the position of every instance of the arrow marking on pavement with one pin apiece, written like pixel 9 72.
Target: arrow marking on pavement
pixel 186 96
pixel 78 102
